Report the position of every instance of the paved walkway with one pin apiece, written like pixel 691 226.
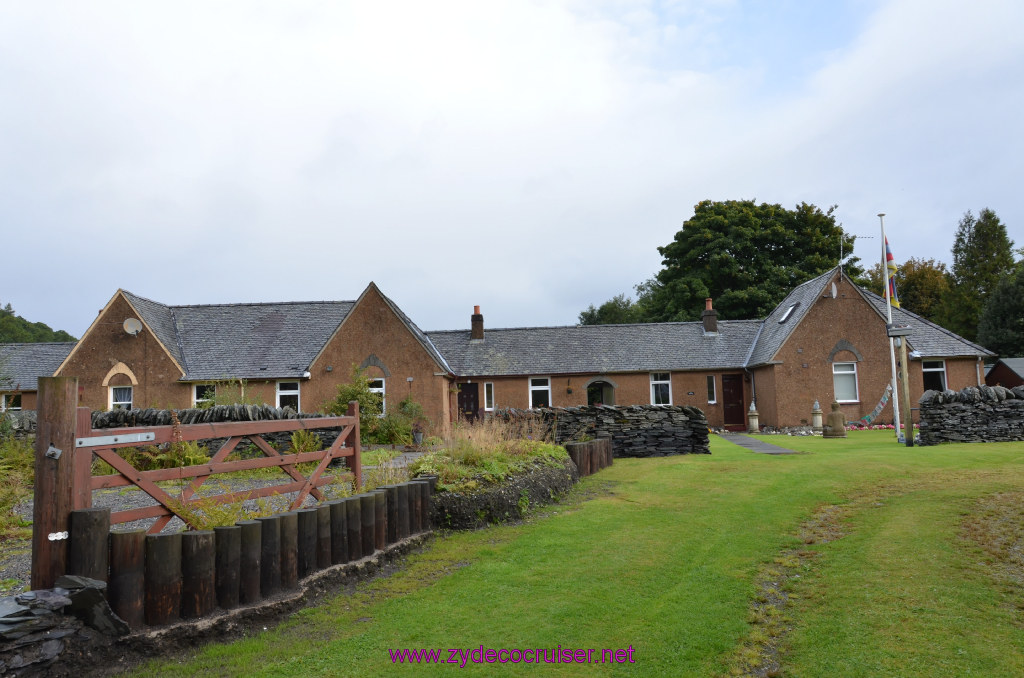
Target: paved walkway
pixel 754 444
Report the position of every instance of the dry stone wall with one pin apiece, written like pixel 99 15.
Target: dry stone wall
pixel 975 414
pixel 635 431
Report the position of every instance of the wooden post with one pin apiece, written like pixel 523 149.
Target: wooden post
pixel 163 578
pixel 354 521
pixel 290 547
pixel 89 547
pixel 127 588
pixel 908 416
pixel 81 491
pixel 228 540
pixel 415 509
pixel 270 555
pixel 355 462
pixel 392 518
pixel 380 519
pixel 425 494
pixel 56 428
pixel 369 513
pixel 339 532
pixel 307 542
pixel 249 558
pixel 574 453
pixel 198 560
pixel 403 511
pixel 323 536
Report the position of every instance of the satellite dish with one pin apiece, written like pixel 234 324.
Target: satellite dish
pixel 132 326
pixel 835 292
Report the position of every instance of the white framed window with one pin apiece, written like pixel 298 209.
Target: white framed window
pixel 712 392
pixel 844 380
pixel 288 394
pixel 488 396
pixel 540 392
pixel 10 401
pixel 120 397
pixel 377 386
pixel 661 388
pixel 202 394
pixel 934 373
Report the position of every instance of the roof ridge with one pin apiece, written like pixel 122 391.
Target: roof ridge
pixel 580 327
pixel 263 303
pixel 928 322
pixel 36 343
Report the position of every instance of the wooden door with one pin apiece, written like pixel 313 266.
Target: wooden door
pixel 732 402
pixel 469 401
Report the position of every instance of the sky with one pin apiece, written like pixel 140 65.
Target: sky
pixel 527 156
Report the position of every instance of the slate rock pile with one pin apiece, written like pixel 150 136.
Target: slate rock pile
pixel 38 627
pixel 974 414
pixel 635 430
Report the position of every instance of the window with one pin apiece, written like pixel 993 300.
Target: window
pixel 934 373
pixel 202 394
pixel 11 401
pixel 712 394
pixel 120 397
pixel 288 394
pixel 540 392
pixel 377 386
pixel 789 312
pixel 488 396
pixel 844 380
pixel 661 388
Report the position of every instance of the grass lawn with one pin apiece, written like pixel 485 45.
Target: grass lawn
pixel 916 579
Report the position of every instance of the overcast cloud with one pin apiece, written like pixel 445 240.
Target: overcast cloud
pixel 528 157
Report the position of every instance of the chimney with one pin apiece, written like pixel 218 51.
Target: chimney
pixel 477 325
pixel 710 318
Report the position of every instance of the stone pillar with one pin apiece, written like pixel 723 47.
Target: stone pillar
pixel 816 415
pixel 752 419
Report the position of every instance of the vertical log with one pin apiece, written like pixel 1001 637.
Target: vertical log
pixel 290 546
pixel 56 428
pixel 307 542
pixel 415 509
pixel 228 539
pixel 198 581
pixel 392 517
pixel 249 560
pixel 404 526
pixel 127 588
pixel 574 453
pixel 163 578
pixel 368 512
pixel 339 532
pixel 323 536
pixel 354 521
pixel 89 549
pixel 426 492
pixel 380 518
pixel 270 555
pixel 81 492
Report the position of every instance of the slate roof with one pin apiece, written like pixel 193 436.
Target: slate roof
pixel 927 338
pixel 774 334
pixel 243 341
pixel 25 363
pixel 597 348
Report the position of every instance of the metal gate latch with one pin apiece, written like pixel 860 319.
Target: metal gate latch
pixel 53 452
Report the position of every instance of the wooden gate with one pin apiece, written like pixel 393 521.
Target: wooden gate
pixel 66 443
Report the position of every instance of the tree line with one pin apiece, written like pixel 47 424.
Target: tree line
pixel 749 256
pixel 15 329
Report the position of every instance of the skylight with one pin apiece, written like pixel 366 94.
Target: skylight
pixel 789 312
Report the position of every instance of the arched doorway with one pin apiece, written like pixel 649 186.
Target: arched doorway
pixel 600 392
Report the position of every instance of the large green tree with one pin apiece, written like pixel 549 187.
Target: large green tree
pixel 618 310
pixel 982 256
pixel 921 285
pixel 1001 328
pixel 745 256
pixel 15 329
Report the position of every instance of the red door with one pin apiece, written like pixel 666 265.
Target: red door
pixel 732 402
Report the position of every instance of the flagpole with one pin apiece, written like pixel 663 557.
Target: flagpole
pixel 892 345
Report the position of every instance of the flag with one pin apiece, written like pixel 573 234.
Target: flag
pixel 890 275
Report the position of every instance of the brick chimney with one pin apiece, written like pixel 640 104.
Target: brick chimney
pixel 477 325
pixel 710 318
